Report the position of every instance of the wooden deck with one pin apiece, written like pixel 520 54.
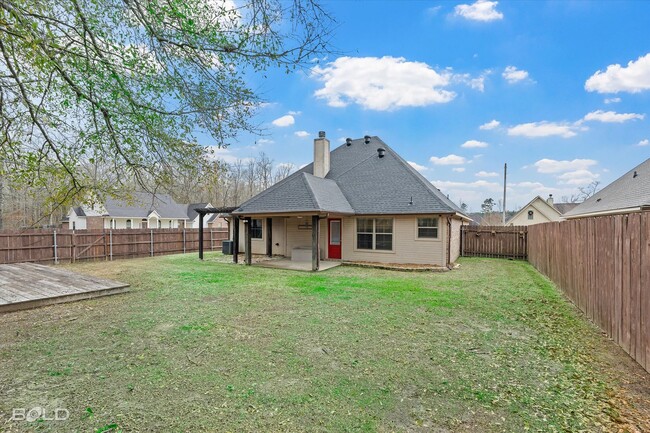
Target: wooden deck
pixel 30 285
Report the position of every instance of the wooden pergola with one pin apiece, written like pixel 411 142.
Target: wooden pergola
pixel 218 210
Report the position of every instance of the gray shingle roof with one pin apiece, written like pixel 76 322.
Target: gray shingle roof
pixel 143 204
pixel 191 213
pixel 300 192
pixel 628 191
pixel 564 207
pixel 358 182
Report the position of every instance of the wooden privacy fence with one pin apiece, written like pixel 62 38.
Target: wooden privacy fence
pixel 494 241
pixel 54 246
pixel 603 266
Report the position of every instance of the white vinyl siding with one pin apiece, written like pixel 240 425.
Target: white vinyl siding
pixel 405 249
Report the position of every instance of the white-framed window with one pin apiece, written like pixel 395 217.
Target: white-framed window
pixel 531 214
pixel 375 234
pixel 159 224
pixel 256 228
pixel 128 224
pixel 74 225
pixel 170 223
pixel 428 228
pixel 113 225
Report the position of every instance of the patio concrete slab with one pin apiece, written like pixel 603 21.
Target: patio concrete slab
pixel 293 265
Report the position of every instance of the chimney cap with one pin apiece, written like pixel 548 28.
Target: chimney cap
pixel 321 134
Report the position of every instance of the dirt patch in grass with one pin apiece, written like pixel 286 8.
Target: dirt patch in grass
pixel 209 346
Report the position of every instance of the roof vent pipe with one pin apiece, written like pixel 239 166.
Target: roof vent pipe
pixel 348 142
pixel 635 174
pixel 366 139
pixel 381 151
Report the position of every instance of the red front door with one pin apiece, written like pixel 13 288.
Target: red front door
pixel 334 239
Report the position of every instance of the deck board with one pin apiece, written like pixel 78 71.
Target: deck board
pixel 30 285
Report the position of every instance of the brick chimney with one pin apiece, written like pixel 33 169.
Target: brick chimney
pixel 549 200
pixel 321 155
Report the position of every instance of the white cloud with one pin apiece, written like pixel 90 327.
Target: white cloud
pixel 264 141
pixel 612 116
pixel 385 83
pixel 417 166
pixel 226 155
pixel 295 113
pixel 476 83
pixel 433 10
pixel 481 10
pixel 492 124
pixel 474 144
pixel 284 121
pixel 514 75
pixel 448 160
pixel 644 142
pixel 612 100
pixel 301 134
pixel 554 166
pixel 616 78
pixel 458 169
pixel 444 184
pixel 543 129
pixel 577 177
pixel 486 174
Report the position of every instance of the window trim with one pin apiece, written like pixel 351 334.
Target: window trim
pixel 374 235
pixel 438 237
pixel 128 224
pixel 531 215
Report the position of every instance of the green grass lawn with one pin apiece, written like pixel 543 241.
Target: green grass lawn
pixel 212 346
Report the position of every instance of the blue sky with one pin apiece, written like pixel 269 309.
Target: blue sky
pixel 560 90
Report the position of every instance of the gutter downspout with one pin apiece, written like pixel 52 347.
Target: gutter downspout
pixel 448 243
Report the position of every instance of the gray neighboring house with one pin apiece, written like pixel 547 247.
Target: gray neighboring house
pixel 629 193
pixel 359 202
pixel 144 211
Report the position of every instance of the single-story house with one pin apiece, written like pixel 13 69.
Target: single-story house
pixel 212 221
pixel 145 210
pixel 360 202
pixel 629 193
pixel 539 211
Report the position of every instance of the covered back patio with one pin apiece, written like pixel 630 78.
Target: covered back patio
pixel 300 239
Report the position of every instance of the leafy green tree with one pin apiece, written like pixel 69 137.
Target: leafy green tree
pixel 488 205
pixel 126 85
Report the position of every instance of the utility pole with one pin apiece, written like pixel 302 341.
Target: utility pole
pixel 505 175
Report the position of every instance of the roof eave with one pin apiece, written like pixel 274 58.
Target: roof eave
pixel 608 212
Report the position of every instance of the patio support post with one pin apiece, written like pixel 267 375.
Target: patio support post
pixel 235 239
pixel 315 232
pixel 249 246
pixel 269 237
pixel 201 236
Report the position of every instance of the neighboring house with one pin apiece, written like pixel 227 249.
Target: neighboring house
pixel 144 211
pixel 213 221
pixel 629 193
pixel 360 202
pixel 539 211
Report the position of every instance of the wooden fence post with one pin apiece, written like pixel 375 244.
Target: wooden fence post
pixel 105 246
pixel 110 243
pixel 151 242
pixel 183 240
pixel 56 256
pixel 73 247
